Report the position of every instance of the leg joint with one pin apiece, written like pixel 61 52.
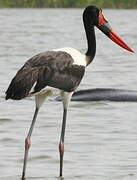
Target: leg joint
pixel 61 148
pixel 27 143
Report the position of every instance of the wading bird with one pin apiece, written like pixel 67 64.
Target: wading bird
pixel 59 71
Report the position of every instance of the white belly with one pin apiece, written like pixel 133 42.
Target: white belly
pixel 50 91
pixel 47 91
pixel 44 94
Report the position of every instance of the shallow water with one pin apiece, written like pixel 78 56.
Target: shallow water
pixel 101 137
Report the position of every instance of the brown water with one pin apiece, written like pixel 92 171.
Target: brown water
pixel 101 137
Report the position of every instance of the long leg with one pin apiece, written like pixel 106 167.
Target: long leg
pixel 61 143
pixel 39 99
pixel 28 143
pixel 66 99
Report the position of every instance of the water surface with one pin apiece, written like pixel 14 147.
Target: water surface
pixel 101 137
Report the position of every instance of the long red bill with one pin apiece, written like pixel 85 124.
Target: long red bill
pixel 117 39
pixel 104 26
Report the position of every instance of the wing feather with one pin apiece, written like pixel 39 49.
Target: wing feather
pixel 51 68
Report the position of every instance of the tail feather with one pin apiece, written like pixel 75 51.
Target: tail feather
pixel 22 83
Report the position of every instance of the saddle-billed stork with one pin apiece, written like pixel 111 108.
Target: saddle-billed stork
pixel 59 71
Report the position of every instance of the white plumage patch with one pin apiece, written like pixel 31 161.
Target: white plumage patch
pixel 79 59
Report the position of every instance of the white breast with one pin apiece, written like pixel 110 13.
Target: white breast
pixel 79 59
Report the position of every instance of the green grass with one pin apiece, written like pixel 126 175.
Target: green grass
pixel 69 3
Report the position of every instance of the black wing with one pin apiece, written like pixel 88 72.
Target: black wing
pixel 51 68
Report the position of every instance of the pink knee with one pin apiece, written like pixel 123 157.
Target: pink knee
pixel 27 143
pixel 61 148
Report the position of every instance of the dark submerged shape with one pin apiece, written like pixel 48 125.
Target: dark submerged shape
pixel 105 94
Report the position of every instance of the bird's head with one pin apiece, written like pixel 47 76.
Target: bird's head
pixel 93 16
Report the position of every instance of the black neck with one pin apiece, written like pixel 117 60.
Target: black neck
pixel 91 40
